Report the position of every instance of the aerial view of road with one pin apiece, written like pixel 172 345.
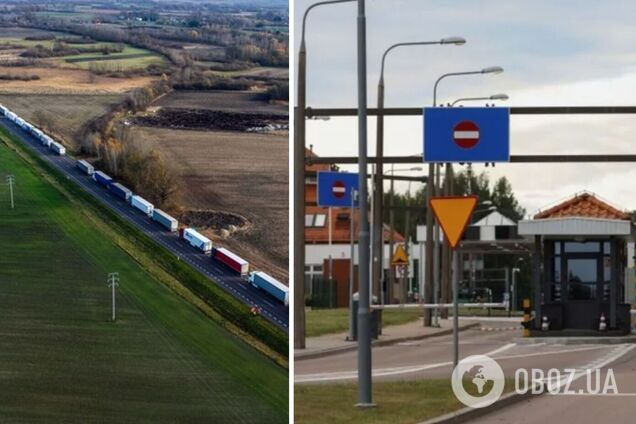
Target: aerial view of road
pixel 274 311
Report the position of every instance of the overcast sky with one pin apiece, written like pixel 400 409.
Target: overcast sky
pixel 554 53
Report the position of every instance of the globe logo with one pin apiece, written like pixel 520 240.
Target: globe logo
pixel 478 381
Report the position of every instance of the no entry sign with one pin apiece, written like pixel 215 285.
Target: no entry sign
pixel 335 189
pixel 339 189
pixel 466 134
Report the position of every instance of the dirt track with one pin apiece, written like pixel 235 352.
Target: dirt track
pixel 208 119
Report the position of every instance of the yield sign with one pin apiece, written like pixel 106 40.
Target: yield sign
pixel 400 257
pixel 453 214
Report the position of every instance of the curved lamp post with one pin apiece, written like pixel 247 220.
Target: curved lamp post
pixel 299 185
pixel 502 97
pixel 378 201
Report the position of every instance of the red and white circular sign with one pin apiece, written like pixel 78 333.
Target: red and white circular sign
pixel 339 189
pixel 466 134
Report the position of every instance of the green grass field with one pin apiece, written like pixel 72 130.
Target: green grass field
pixel 327 321
pixel 62 360
pixel 129 58
pixel 404 402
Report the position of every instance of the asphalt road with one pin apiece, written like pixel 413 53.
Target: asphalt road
pixel 432 358
pixel 238 287
pixel 579 407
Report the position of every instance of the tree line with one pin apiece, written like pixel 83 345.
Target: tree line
pixel 465 182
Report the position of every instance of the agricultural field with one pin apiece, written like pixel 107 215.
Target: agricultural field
pixel 227 101
pixel 66 81
pixel 65 115
pixel 64 360
pixel 241 173
pixel 130 58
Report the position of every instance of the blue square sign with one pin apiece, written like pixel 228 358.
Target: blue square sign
pixel 467 134
pixel 335 189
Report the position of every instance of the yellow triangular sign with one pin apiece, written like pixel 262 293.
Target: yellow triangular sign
pixel 453 214
pixel 400 257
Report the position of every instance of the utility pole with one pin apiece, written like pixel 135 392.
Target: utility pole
pixel 113 281
pixel 364 312
pixel 10 182
pixel 299 200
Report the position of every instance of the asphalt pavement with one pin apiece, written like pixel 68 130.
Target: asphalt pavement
pixel 432 357
pixel 270 308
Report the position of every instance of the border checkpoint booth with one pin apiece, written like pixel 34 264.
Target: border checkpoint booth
pixel 582 267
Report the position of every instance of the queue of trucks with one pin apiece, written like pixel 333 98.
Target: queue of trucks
pixel 195 239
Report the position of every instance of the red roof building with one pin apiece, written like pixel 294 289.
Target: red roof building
pixel 583 205
pixel 317 220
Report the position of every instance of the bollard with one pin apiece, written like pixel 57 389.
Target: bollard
pixel 526 318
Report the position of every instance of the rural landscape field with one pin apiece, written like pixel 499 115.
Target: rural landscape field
pixel 187 105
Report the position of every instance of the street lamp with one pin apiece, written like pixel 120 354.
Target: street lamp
pixel 488 70
pixel 378 201
pixel 431 258
pixel 502 97
pixel 299 185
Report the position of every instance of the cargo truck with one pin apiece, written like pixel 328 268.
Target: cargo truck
pixel 37 133
pixel 121 191
pixel 231 260
pixel 46 140
pixel 142 205
pixel 102 178
pixel 58 148
pixel 85 167
pixel 165 220
pixel 195 239
pixel 270 285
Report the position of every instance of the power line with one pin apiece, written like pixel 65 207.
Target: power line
pixel 113 281
pixel 10 181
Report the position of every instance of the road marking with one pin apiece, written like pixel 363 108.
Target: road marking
pixel 383 372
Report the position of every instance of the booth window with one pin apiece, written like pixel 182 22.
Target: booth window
pixel 582 278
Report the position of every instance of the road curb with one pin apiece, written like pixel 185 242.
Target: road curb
pixel 576 340
pixel 468 414
pixel 376 343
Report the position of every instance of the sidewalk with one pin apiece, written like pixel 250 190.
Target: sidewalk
pixel 332 344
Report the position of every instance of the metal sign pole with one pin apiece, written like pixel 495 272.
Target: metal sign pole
pixel 354 194
pixel 455 276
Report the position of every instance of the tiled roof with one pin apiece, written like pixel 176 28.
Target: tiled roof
pixel 585 205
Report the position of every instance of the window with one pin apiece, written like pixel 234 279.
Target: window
pixel 582 277
pixel 317 220
pixel 320 220
pixel 556 273
pixel 577 247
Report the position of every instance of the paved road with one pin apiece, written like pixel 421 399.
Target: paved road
pixel 271 309
pixel 579 408
pixel 431 358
